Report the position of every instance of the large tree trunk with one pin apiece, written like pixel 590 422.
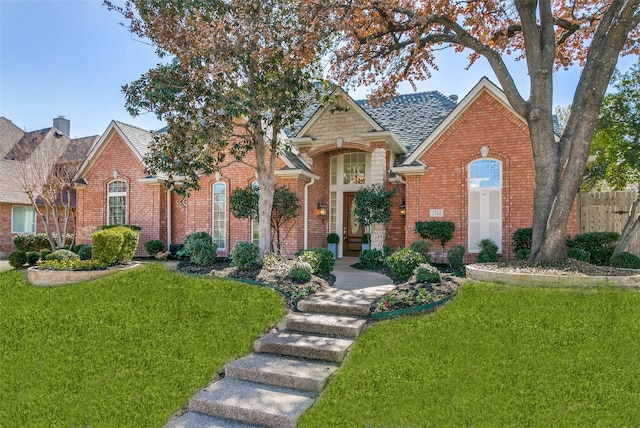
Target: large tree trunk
pixel 266 181
pixel 630 228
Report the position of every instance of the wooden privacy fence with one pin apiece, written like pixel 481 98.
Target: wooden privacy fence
pixel 606 212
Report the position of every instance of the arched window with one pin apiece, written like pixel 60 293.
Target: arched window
pixel 255 229
pixel 117 202
pixel 219 215
pixel 485 203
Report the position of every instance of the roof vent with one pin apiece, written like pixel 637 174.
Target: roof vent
pixel 63 125
pixel 454 98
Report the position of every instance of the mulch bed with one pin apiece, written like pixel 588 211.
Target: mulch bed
pixel 566 267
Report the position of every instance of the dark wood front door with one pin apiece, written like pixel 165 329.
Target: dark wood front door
pixel 352 231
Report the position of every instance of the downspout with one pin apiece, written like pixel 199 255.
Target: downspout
pixel 306 212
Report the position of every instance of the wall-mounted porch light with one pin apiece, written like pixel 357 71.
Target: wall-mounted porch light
pixel 321 211
pixel 403 208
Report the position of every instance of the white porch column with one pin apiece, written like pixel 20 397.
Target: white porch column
pixel 378 176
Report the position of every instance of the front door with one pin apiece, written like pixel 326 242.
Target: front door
pixel 351 230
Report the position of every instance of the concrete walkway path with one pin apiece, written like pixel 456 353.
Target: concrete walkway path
pixel 290 366
pixel 348 278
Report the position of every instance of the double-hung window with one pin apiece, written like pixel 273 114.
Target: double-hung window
pixel 23 219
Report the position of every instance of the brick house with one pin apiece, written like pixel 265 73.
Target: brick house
pixel 19 151
pixel 468 162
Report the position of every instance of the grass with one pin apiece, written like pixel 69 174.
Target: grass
pixel 495 356
pixel 124 351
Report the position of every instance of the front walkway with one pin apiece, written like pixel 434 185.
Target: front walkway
pixel 290 366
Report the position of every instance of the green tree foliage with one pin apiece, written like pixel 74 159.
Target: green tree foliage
pixel 373 204
pixel 616 146
pixel 240 73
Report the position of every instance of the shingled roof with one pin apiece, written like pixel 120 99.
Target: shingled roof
pixel 138 137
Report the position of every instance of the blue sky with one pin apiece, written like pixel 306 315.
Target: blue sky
pixel 71 58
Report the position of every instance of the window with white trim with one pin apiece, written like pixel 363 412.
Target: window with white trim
pixel 117 202
pixel 23 219
pixel 485 203
pixel 219 215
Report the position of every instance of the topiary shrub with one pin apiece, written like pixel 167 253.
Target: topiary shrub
pixel 441 231
pixel 369 259
pixel 300 272
pixel 333 238
pixel 17 258
pixel 62 255
pixel 625 260
pixel 455 257
pixel 32 257
pixel 84 252
pixel 488 252
pixel 154 247
pixel 521 242
pixel 111 226
pixel 44 252
pixel 245 255
pixel 599 244
pixel 403 262
pixel 423 247
pixel 426 273
pixel 199 248
pixel 579 254
pixel 106 246
pixel 130 238
pixel 320 259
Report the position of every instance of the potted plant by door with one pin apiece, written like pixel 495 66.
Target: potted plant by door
pixel 332 241
pixel 366 241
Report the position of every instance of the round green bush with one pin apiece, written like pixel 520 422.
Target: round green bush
pixel 423 247
pixel 488 252
pixel 523 253
pixel 84 252
pixel 62 255
pixel 17 258
pixel 403 262
pixel 320 259
pixel 580 254
pixel 625 260
pixel 154 247
pixel 333 238
pixel 44 253
pixel 300 272
pixel 600 245
pixel 426 273
pixel 32 257
pixel 199 248
pixel 455 256
pixel 245 255
pixel 521 240
pixel 369 259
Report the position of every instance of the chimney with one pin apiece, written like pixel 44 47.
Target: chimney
pixel 63 125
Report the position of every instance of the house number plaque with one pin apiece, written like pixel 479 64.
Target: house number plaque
pixel 439 212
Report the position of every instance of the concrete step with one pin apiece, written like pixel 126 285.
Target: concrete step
pixel 281 371
pixel 344 302
pixel 200 420
pixel 252 403
pixel 303 345
pixel 330 325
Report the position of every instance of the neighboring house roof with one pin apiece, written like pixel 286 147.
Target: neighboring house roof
pixel 78 149
pixel 10 191
pixel 10 134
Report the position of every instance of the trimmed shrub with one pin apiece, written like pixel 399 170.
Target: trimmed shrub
pixel 154 247
pixel 76 248
pixel 199 248
pixel 106 246
pixel 366 238
pixel 130 238
pixel 423 247
pixel 625 260
pixel 523 254
pixel 62 255
pixel 245 255
pixel 84 252
pixel 17 258
pixel 403 262
pixel 300 272
pixel 427 274
pixel 521 240
pixel 72 264
pixel 579 254
pixel 456 257
pixel 369 259
pixel 320 259
pixel 441 231
pixel 31 242
pixel 599 244
pixel 333 238
pixel 488 252
pixel 44 253
pixel 32 257
pixel 111 226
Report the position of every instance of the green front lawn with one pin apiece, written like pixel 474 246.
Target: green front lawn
pixel 124 351
pixel 496 356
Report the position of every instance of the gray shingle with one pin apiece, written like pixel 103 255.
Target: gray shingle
pixel 138 137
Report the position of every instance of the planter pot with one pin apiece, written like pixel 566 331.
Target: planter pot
pixel 334 249
pixel 404 311
pixel 366 247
